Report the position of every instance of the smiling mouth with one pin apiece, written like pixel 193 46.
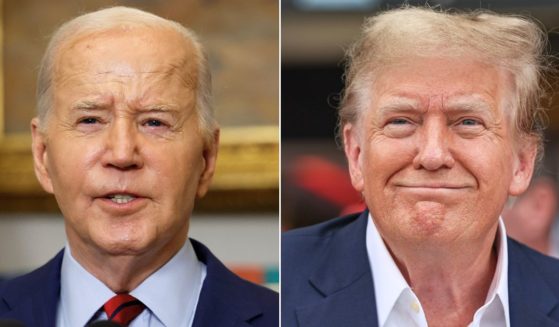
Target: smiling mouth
pixel 121 198
pixel 449 187
pixel 432 190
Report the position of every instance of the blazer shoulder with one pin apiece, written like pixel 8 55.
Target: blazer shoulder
pixel 324 269
pixel 321 230
pixel 533 287
pixel 34 281
pixel 33 298
pixel 267 300
pixel 546 265
pixel 258 305
pixel 304 241
pixel 225 294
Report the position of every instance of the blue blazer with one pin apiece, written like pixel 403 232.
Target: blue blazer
pixel 327 281
pixel 225 299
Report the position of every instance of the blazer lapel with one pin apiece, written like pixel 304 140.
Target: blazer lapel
pixel 343 278
pixel 213 311
pixel 531 299
pixel 222 300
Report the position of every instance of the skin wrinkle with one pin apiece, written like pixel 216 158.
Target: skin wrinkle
pixel 137 103
pixel 188 72
pixel 165 165
pixel 189 80
pixel 441 237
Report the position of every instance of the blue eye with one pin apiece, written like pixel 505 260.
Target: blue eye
pixel 89 121
pixel 469 122
pixel 154 123
pixel 399 121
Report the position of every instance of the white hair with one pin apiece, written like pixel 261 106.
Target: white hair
pixel 117 17
pixel 514 43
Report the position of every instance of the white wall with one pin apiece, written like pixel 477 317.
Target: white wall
pixel 28 241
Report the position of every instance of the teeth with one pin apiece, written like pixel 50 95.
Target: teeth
pixel 121 198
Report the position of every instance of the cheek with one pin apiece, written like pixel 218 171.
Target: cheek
pixel 489 162
pixel 385 157
pixel 70 163
pixel 177 171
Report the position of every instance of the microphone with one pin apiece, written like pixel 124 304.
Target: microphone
pixel 10 323
pixel 100 323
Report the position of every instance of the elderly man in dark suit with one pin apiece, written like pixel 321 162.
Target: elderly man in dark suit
pixel 441 123
pixel 125 139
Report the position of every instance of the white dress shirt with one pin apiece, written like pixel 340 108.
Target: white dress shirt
pixel 397 305
pixel 170 294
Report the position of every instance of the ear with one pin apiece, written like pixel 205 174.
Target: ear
pixel 352 148
pixel 524 161
pixel 40 155
pixel 210 157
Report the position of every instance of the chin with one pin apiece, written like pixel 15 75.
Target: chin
pixel 118 245
pixel 424 219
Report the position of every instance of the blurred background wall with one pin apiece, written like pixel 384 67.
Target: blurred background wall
pixel 238 219
pixel 315 182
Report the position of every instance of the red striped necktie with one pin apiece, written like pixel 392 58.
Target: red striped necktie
pixel 123 308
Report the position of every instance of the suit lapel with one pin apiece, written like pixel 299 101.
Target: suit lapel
pixel 33 299
pixel 343 278
pixel 531 300
pixel 222 301
pixel 344 281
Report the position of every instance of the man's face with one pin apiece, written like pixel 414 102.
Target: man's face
pixel 433 151
pixel 122 150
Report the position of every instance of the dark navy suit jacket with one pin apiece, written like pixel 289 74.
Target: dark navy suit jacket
pixel 225 299
pixel 327 281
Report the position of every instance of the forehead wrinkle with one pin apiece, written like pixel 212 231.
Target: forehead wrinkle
pixel 473 103
pixel 150 101
pixel 93 103
pixel 163 108
pixel 398 103
pixel 184 70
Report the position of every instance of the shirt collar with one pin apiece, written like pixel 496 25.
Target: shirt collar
pixel 390 283
pixel 175 287
pixel 388 280
pixel 498 291
pixel 75 282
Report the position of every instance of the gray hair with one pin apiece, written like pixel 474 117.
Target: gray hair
pixel 514 43
pixel 114 17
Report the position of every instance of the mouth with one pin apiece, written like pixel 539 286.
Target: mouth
pixel 429 191
pixel 121 202
pixel 121 198
pixel 434 187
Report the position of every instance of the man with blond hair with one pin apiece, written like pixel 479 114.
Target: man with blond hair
pixel 125 139
pixel 441 122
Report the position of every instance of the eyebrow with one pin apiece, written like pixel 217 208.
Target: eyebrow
pixel 165 108
pixel 399 104
pixel 473 103
pixel 470 103
pixel 91 105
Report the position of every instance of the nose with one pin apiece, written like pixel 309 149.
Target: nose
pixel 122 146
pixel 433 147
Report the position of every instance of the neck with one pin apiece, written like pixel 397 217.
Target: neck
pixel 451 281
pixel 123 273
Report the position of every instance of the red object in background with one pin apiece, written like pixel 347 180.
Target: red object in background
pixel 254 274
pixel 327 181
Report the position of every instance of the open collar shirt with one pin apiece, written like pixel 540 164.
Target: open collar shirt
pixel 397 304
pixel 170 294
